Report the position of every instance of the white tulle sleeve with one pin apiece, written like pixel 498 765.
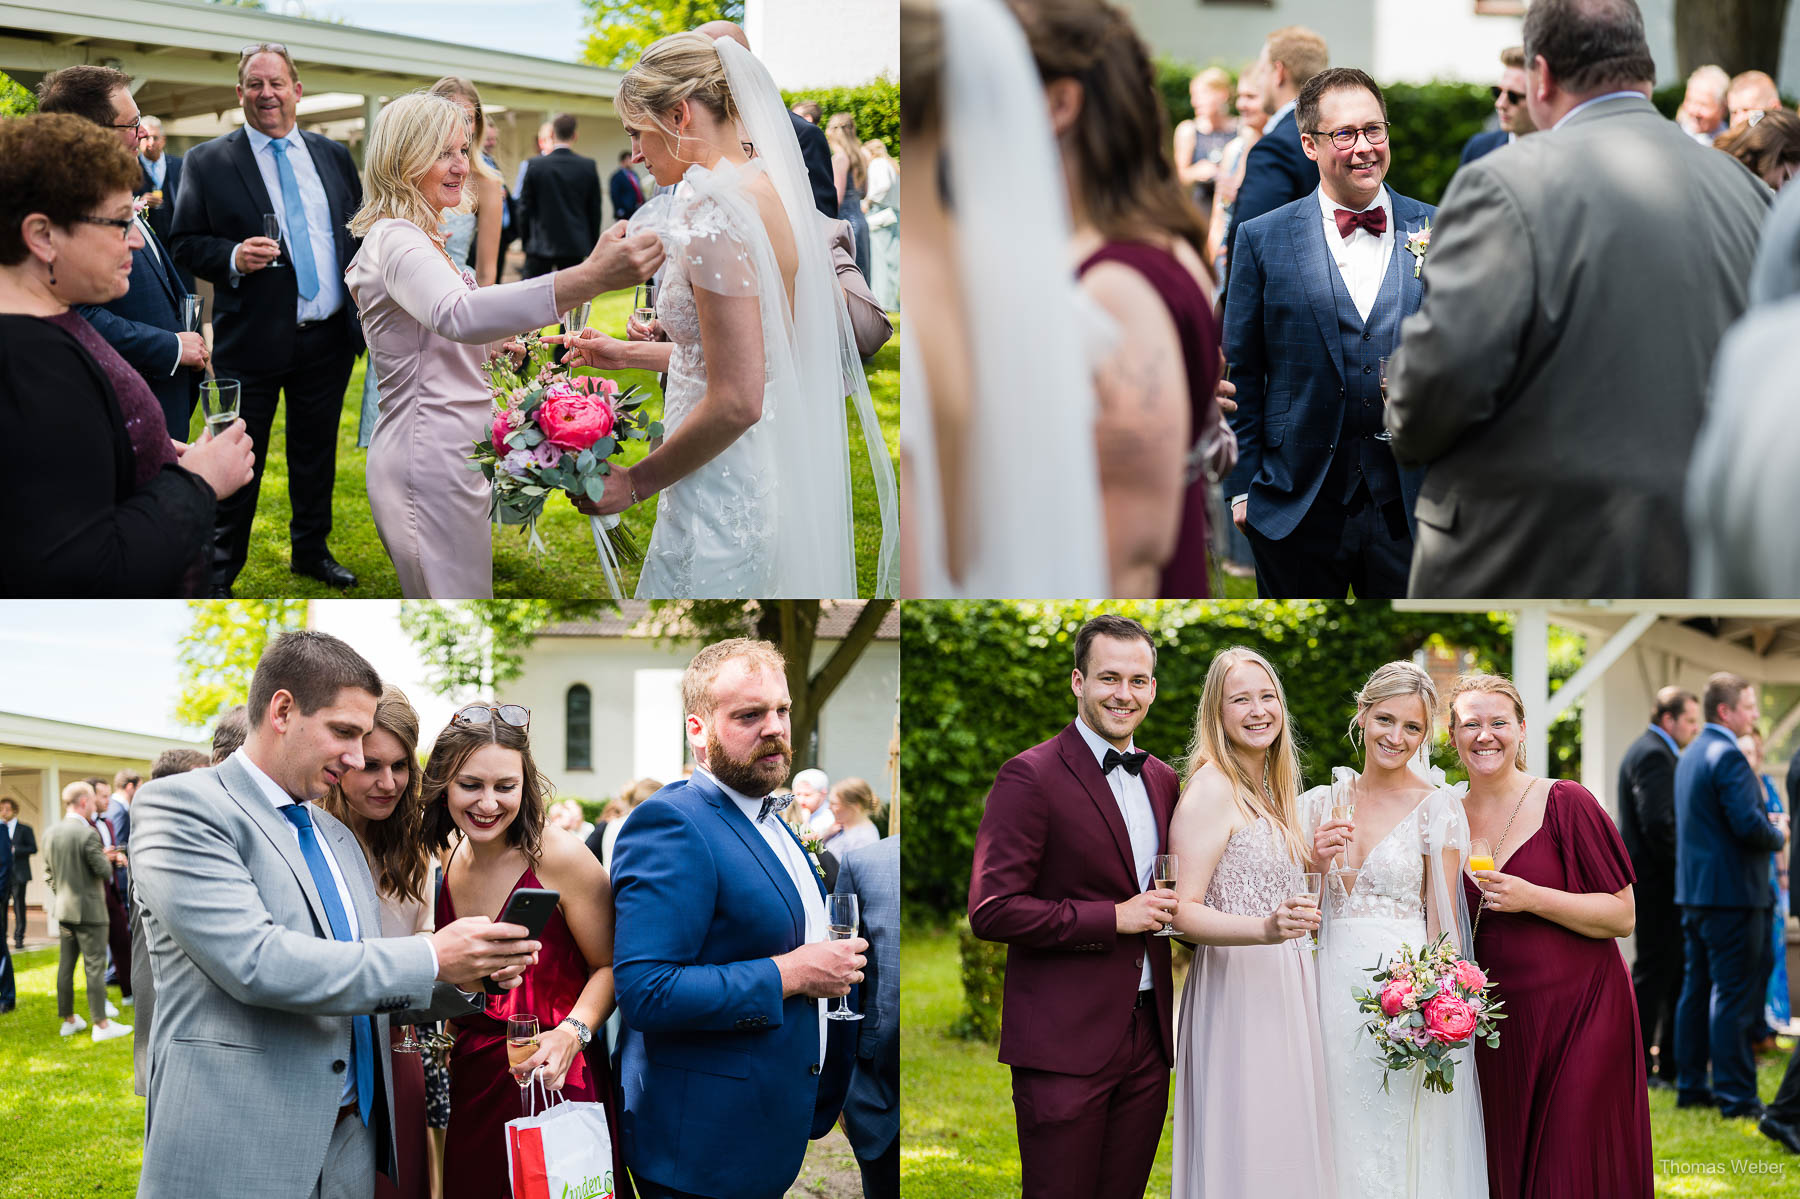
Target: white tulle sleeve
pixel 1447 829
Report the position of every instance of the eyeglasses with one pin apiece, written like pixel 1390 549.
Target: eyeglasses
pixel 124 227
pixel 135 123
pixel 1512 97
pixel 510 714
pixel 262 48
pixel 1344 139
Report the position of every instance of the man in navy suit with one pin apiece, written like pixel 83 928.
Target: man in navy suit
pixel 8 995
pixel 1723 839
pixel 1647 825
pixel 1278 170
pixel 284 325
pixel 872 1109
pixel 1509 105
pixel 162 173
pixel 144 324
pixel 1317 292
pixel 721 956
pixel 627 193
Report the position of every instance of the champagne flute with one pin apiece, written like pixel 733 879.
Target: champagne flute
pixel 409 1043
pixel 1164 870
pixel 219 400
pixel 521 1043
pixel 1481 854
pixel 576 318
pixel 643 302
pixel 1309 889
pixel 1384 435
pixel 191 311
pixel 841 923
pixel 272 231
pixel 1343 807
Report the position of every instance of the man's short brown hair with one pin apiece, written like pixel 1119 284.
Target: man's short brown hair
pixel 1722 691
pixel 562 128
pixel 230 732
pixel 178 761
pixel 1300 50
pixel 697 681
pixel 126 778
pixel 311 666
pixel 1514 57
pixel 1332 79
pixel 275 48
pixel 7 801
pixel 1589 44
pixel 1672 702
pixel 1107 624
pixel 83 90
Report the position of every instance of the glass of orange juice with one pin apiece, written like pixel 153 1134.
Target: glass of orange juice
pixel 1481 854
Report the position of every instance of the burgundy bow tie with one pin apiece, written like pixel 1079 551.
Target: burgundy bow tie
pixel 1374 220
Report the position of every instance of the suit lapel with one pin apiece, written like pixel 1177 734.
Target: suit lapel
pixel 1409 218
pixel 154 251
pixel 1316 271
pixel 759 849
pixel 244 792
pixel 1080 760
pixel 243 156
pixel 353 864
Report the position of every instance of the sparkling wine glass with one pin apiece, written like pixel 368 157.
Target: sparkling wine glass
pixel 841 922
pixel 191 309
pixel 521 1043
pixel 1163 872
pixel 643 304
pixel 1343 807
pixel 1384 435
pixel 576 318
pixel 219 400
pixel 272 231
pixel 1309 887
pixel 409 1042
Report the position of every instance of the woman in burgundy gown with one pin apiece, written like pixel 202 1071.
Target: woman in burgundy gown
pixel 1141 244
pixel 480 782
pixel 1564 1103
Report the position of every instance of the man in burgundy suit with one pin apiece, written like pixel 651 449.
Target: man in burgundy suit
pixel 1062 874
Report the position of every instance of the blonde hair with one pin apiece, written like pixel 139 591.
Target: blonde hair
pixel 1396 680
pixel 1491 684
pixel 840 131
pixel 1279 797
pixel 408 136
pixel 456 87
pixel 682 66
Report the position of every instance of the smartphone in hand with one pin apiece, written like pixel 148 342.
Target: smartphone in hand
pixel 531 907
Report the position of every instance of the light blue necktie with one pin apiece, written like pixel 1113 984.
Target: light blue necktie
pixel 306 275
pixel 362 1028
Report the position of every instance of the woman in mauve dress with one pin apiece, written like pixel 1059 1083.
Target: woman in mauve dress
pixel 1563 1098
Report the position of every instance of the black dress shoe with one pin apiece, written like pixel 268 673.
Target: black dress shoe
pixel 1660 1084
pixel 1782 1134
pixel 327 570
pixel 1696 1099
pixel 1748 1111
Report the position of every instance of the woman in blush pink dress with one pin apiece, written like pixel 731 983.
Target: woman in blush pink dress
pixel 429 331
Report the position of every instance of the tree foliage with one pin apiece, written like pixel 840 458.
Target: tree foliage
pixel 986 680
pixel 471 649
pixel 15 99
pixel 623 29
pixel 220 650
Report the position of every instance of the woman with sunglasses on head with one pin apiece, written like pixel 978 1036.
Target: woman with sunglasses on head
pixel 485 801
pixel 380 804
pixel 101 501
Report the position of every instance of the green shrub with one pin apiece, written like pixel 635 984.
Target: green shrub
pixel 15 101
pixel 876 105
pixel 983 985
pixel 1431 124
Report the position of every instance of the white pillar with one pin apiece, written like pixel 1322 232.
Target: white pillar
pixel 1531 675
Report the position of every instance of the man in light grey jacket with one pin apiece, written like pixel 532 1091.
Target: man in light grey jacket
pixel 1577 284
pixel 269 1055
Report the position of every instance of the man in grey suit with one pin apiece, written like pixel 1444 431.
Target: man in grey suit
pixel 273 984
pixel 1579 281
pixel 77 869
pixel 872 1108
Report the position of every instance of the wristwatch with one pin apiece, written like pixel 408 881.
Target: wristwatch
pixel 582 1032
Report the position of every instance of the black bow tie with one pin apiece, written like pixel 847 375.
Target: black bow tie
pixel 1132 762
pixel 775 803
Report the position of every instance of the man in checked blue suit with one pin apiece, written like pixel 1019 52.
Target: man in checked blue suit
pixel 1317 292
pixel 720 955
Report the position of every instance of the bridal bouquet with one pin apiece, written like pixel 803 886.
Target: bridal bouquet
pixel 1425 1004
pixel 558 429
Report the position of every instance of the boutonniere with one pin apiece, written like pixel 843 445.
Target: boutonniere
pixel 1418 242
pixel 139 203
pixel 810 842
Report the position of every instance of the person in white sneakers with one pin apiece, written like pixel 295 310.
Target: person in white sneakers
pixel 78 867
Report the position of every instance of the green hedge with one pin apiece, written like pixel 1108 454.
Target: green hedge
pixel 876 105
pixel 15 100
pixel 983 985
pixel 987 679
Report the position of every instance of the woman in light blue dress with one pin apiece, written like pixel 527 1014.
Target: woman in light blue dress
pixel 884 225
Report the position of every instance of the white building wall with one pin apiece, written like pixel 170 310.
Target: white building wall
pixel 825 43
pixel 1417 41
pixel 1231 34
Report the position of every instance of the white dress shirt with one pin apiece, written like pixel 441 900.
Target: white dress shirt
pixel 319 223
pixel 1362 260
pixel 12 828
pixel 1140 820
pixel 799 867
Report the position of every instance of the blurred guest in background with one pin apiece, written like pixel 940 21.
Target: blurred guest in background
pixel 853 809
pixel 1750 92
pixel 884 224
pixel 1277 171
pixel 162 183
pixel 1200 140
pixel 850 176
pixel 1703 113
pixel 1509 105
pixel 1768 142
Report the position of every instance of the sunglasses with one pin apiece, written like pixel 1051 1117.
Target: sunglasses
pixel 509 714
pixel 1512 97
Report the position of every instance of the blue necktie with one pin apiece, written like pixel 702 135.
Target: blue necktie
pixel 362 1028
pixel 299 235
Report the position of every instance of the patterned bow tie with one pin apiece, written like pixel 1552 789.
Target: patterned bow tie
pixel 1132 762
pixel 1374 220
pixel 775 803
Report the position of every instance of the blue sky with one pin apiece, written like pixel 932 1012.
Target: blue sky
pixel 543 28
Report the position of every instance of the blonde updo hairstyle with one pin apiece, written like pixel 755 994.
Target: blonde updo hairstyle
pixel 682 66
pixel 408 136
pixel 1396 680
pixel 1491 684
pixel 455 87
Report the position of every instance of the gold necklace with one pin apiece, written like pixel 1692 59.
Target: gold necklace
pixel 1518 804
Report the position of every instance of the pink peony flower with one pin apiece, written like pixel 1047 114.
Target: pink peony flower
pixel 1470 977
pixel 502 426
pixel 1394 995
pixel 572 420
pixel 1448 1019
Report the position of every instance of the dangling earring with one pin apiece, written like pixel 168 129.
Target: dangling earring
pixel 52 265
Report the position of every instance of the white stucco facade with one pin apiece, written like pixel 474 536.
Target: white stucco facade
pixel 825 43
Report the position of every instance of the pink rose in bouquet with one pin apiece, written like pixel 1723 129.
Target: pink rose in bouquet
pixel 503 425
pixel 1394 995
pixel 1448 1019
pixel 572 419
pixel 1469 976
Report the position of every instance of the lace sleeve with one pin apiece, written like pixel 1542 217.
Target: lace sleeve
pixel 714 256
pixel 1446 830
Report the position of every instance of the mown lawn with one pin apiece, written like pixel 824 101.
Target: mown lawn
pixel 958 1140
pixel 568 570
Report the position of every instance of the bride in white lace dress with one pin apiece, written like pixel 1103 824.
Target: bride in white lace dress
pixel 752 477
pixel 1391 845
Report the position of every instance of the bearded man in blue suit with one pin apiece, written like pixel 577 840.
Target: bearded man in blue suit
pixel 720 955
